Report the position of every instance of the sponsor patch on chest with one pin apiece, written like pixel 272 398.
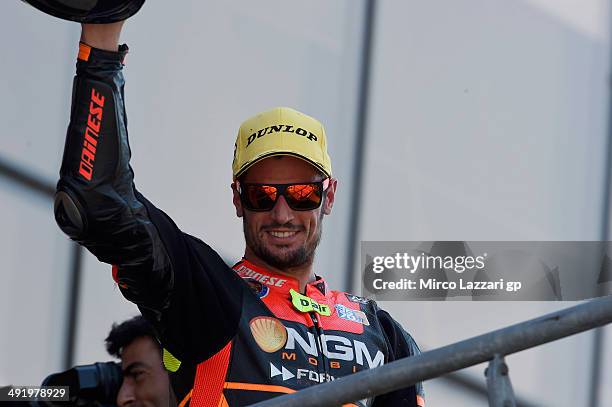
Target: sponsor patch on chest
pixel 306 304
pixel 351 314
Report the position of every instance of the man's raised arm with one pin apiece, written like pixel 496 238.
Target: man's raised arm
pixel 177 281
pixel 96 202
pixel 102 36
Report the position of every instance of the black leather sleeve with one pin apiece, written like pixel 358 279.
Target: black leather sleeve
pixel 401 345
pixel 178 282
pixel 96 201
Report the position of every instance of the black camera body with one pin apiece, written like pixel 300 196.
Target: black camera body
pixel 89 385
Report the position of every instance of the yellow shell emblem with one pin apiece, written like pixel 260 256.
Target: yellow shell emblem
pixel 269 333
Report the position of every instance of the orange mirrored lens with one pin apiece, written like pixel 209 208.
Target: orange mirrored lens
pixel 300 192
pixel 269 191
pixel 261 196
pixel 303 196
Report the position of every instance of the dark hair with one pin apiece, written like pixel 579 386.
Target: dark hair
pixel 126 332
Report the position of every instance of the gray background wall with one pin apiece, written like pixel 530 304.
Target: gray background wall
pixel 486 120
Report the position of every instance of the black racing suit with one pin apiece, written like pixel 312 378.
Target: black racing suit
pixel 230 337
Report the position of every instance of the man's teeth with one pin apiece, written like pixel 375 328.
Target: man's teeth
pixel 282 234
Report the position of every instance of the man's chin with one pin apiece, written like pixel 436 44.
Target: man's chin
pixel 282 257
pixel 282 249
pixel 285 259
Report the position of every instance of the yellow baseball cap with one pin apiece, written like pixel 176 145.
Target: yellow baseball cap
pixel 281 131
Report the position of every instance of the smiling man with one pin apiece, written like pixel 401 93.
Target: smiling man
pixel 282 189
pixel 231 336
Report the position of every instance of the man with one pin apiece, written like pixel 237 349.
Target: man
pixel 230 338
pixel 145 381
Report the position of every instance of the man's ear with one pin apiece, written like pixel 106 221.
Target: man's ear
pixel 330 195
pixel 236 200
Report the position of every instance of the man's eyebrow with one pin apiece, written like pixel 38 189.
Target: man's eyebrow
pixel 133 366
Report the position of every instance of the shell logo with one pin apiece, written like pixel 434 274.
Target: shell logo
pixel 269 333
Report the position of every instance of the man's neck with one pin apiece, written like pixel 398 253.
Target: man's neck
pixel 303 274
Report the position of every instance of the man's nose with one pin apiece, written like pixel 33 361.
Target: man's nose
pixel 125 397
pixel 281 213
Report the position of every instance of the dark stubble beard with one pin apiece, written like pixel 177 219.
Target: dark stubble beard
pixel 303 255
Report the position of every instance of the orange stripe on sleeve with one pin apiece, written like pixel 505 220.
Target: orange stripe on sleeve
pixel 84 51
pixel 186 399
pixel 210 376
pixel 223 402
pixel 257 387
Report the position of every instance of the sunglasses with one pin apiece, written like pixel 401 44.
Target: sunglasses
pixel 300 197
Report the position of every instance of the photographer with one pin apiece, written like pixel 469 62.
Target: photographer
pixel 140 380
pixel 145 381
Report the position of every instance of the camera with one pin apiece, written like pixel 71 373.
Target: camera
pixel 89 385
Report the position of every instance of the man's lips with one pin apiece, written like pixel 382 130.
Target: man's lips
pixel 283 236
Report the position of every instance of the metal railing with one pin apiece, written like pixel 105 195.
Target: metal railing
pixel 492 346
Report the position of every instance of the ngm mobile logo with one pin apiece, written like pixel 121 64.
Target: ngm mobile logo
pixel 271 336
